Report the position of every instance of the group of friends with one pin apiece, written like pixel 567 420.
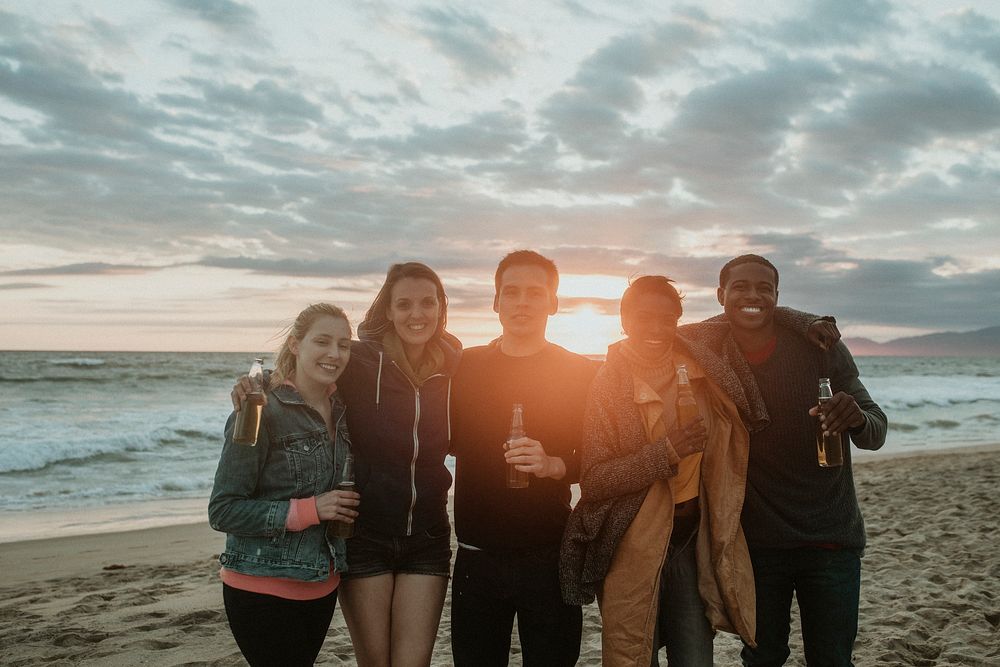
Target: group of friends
pixel 683 527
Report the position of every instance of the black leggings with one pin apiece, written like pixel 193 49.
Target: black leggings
pixel 275 632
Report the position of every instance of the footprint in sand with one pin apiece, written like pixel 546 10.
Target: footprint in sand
pixel 79 638
pixel 153 644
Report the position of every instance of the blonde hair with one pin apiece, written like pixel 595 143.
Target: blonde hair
pixel 284 362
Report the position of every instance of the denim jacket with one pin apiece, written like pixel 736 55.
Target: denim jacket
pixel 294 458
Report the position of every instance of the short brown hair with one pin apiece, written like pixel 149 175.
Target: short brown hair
pixel 528 258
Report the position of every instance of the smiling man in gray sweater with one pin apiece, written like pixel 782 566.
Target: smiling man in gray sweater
pixel 802 521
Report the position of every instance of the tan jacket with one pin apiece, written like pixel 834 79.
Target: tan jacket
pixel 629 595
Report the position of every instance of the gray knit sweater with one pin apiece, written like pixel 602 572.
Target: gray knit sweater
pixel 790 500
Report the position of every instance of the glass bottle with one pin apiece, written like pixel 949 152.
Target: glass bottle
pixel 829 448
pixel 687 406
pixel 341 528
pixel 248 418
pixel 516 479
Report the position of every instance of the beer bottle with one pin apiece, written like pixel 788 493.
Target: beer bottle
pixel 248 418
pixel 687 406
pixel 516 479
pixel 829 448
pixel 341 528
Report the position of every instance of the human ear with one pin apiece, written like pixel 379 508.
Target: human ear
pixel 720 294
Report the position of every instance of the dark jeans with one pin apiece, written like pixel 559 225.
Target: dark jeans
pixel 489 589
pixel 682 626
pixel 275 632
pixel 827 585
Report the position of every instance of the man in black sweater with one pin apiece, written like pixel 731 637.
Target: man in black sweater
pixel 802 521
pixel 507 561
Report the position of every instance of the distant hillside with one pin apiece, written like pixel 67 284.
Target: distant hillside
pixel 980 343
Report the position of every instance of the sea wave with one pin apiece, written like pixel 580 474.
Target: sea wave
pixel 905 428
pixel 55 379
pixel 943 423
pixel 38 456
pixel 79 362
pixel 177 486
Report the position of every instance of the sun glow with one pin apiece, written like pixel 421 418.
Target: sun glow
pixel 584 330
pixel 595 286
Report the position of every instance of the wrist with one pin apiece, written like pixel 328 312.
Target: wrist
pixel 555 467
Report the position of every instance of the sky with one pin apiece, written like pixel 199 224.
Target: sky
pixel 189 174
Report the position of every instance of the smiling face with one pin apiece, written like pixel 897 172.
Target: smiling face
pixel 524 301
pixel 749 298
pixel 322 353
pixel 650 322
pixel 414 310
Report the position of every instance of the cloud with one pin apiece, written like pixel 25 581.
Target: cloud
pixel 726 134
pixel 84 269
pixel 222 14
pixel 581 11
pixel 891 115
pixel 589 113
pixel 972 32
pixel 344 264
pixel 824 23
pixel 476 49
pixel 76 101
pixel 491 134
pixel 17 286
pixel 281 108
pixel 390 70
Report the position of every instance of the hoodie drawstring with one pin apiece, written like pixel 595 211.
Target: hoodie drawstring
pixel 378 382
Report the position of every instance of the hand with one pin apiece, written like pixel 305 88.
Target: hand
pixel 824 334
pixel 240 390
pixel 839 414
pixel 338 506
pixel 690 438
pixel 529 456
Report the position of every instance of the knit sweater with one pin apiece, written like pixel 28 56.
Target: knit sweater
pixel 790 500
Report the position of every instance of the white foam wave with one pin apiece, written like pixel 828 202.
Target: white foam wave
pixel 76 361
pixel 27 455
pixel 907 391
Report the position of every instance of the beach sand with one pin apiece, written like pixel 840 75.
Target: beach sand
pixel 930 593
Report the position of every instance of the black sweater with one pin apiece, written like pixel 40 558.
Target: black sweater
pixel 790 500
pixel 552 385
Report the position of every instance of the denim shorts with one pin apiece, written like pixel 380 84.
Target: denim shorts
pixel 370 553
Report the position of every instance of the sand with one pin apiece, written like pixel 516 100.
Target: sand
pixel 930 593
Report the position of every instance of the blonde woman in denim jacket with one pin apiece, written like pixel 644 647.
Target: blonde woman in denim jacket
pixel 280 571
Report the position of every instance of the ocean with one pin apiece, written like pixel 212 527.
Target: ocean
pixel 93 441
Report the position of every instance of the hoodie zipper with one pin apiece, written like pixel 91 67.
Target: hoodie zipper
pixel 416 425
